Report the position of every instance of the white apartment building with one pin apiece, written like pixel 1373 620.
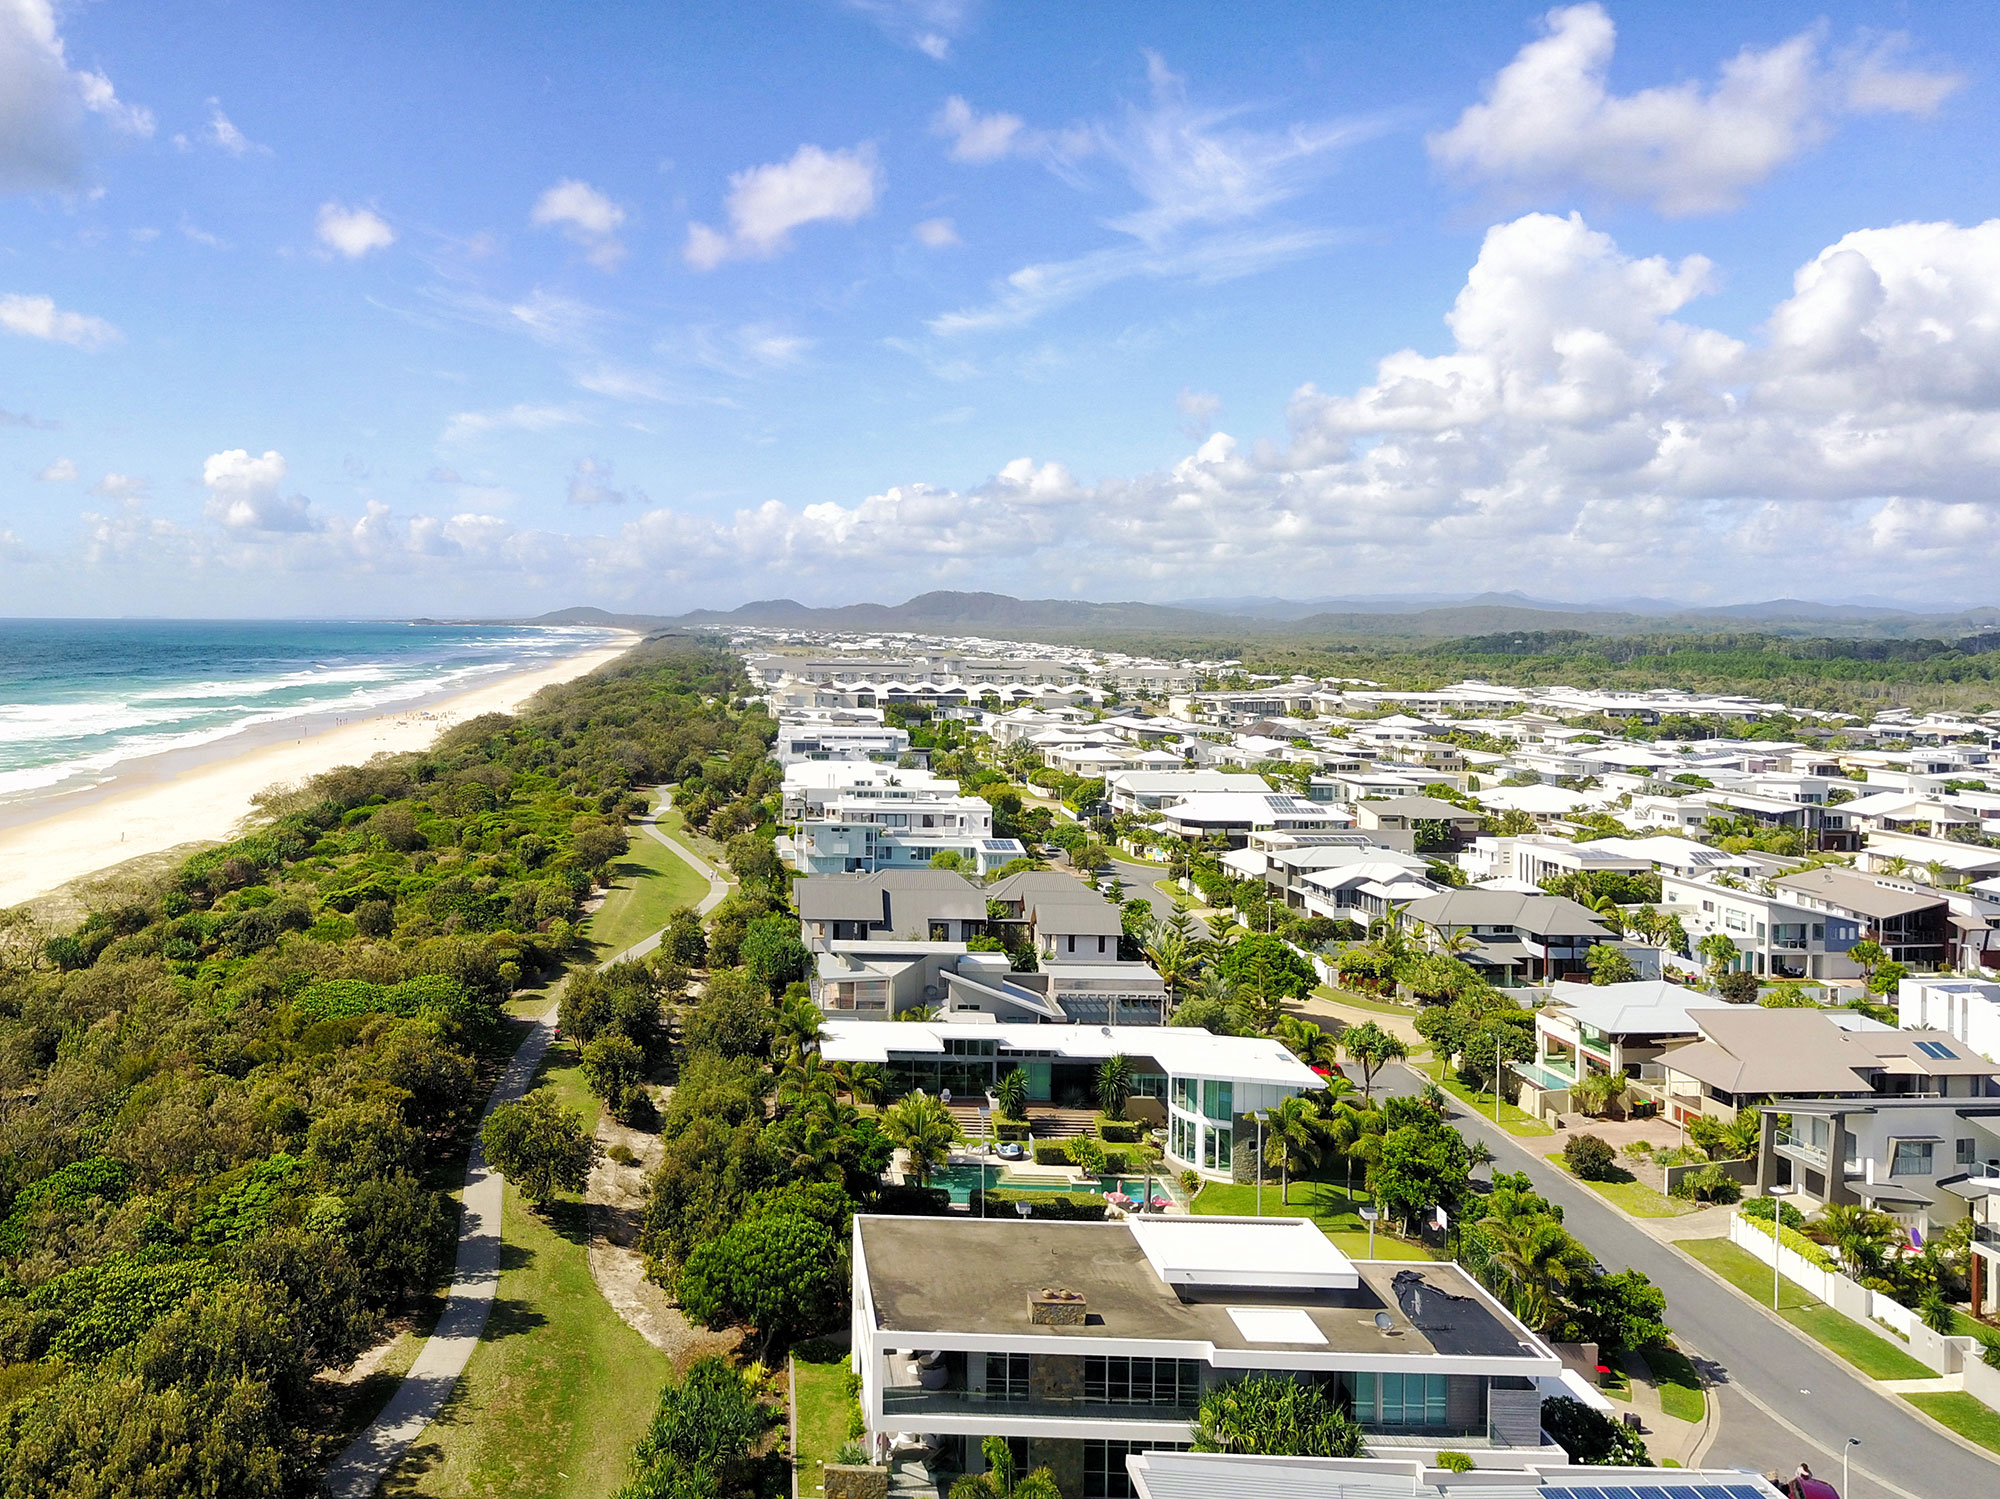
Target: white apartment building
pixel 1968 1009
pixel 802 739
pixel 811 784
pixel 1089 1342
pixel 869 828
pixel 1774 936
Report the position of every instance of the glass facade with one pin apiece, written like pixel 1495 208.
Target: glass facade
pixel 1006 1376
pixel 1216 1101
pixel 1400 1400
pixel 1104 1475
pixel 1142 1381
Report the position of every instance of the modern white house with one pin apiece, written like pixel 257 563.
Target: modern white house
pixel 1088 1343
pixel 1618 1029
pixel 1162 1474
pixel 1776 933
pixel 1149 790
pixel 866 828
pixel 1966 1009
pixel 1210 1087
pixel 823 738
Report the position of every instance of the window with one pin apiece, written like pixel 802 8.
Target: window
pixel 1104 1475
pixel 1142 1381
pixel 1912 1158
pixel 1966 1152
pixel 1184 1094
pixel 1218 1100
pixel 1006 1376
pixel 1400 1399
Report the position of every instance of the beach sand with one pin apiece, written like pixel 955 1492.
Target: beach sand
pixel 168 801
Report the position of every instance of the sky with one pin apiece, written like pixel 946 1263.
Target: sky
pixel 487 309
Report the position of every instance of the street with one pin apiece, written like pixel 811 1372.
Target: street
pixel 1783 1398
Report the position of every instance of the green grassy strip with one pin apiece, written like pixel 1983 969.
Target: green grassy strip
pixel 1681 1394
pixel 652 882
pixel 1326 1203
pixel 1513 1120
pixel 823 1407
pixel 1872 1355
pixel 1963 1414
pixel 1627 1192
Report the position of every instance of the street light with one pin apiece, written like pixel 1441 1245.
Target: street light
pixel 1777 1194
pixel 1368 1216
pixel 1260 1165
pixel 1845 1453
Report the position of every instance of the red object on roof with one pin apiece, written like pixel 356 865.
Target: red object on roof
pixel 1813 1488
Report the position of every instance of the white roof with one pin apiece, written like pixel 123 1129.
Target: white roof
pixel 1183 1050
pixel 1254 1252
pixel 1650 1007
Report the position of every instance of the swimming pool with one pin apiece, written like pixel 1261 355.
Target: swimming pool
pixel 962 1181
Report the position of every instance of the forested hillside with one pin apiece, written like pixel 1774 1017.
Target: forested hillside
pixel 226 1103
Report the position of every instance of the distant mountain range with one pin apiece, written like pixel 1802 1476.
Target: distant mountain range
pixel 1432 617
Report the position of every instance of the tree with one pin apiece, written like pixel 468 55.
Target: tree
pixel 614 1068
pixel 1886 977
pixel 1869 955
pixel 540 1146
pixel 1001 1479
pixel 1295 1137
pixel 686 939
pixel 1307 1041
pixel 732 1018
pixel 1270 1415
pixel 863 1081
pixel 1716 951
pixel 779 1272
pixel 1862 1235
pixel 1010 1091
pixel 772 951
pixel 1589 1157
pixel 702 1436
pixel 1272 964
pixel 1114 1085
pixel 1420 1166
pixel 1173 957
pixel 1590 1437
pixel 1536 1259
pixel 1372 1047
pixel 1595 1093
pixel 1739 987
pixel 1609 965
pixel 923 1129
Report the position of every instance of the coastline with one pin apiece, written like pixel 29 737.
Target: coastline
pixel 201 795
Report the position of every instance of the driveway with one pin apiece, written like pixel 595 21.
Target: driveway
pixel 1783 1397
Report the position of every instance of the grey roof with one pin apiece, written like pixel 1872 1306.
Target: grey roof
pixel 1747 1049
pixel 1648 1007
pixel 1431 807
pixel 1856 892
pixel 1059 903
pixel 903 898
pixel 1552 914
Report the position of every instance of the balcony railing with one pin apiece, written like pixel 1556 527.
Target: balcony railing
pixel 1797 1145
pixel 1986 1233
pixel 906 1400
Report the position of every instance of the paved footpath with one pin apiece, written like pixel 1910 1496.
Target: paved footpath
pixel 359 1471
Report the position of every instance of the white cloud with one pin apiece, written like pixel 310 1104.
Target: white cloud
pixel 223 134
pixel 39 317
pixel 590 485
pixel 125 488
pixel 1206 187
pixel 43 102
pixel 767 203
pixel 1197 409
pixel 352 232
pixel 930 26
pixel 243 494
pixel 937 234
pixel 62 471
pixel 522 417
pixel 1550 122
pixel 586 216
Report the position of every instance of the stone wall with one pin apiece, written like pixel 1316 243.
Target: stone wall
pixel 1063 1457
pixel 855 1482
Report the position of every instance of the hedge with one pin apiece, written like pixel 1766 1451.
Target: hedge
pixel 1056 1153
pixel 429 994
pixel 1117 1131
pixel 909 1201
pixel 1075 1206
pixel 1799 1244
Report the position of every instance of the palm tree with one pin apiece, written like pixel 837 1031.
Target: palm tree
pixel 1895 866
pixel 1309 1042
pixel 1294 1139
pixel 1533 1257
pixel 862 1081
pixel 1011 1093
pixel 797 1025
pixel 1862 1235
pixel 1595 1092
pixel 1478 1153
pixel 1348 1129
pixel 1114 1085
pixel 1173 957
pixel 923 1129
pixel 804 1078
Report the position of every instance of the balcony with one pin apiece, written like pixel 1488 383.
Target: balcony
pixel 1800 1148
pixel 1986 1233
pixel 907 1401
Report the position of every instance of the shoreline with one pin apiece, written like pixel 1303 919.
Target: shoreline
pixel 201 794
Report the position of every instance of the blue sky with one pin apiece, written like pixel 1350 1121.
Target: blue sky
pixel 489 309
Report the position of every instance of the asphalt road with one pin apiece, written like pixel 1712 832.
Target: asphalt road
pixel 1139 879
pixel 1784 1399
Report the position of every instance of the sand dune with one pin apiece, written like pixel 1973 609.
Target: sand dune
pixel 154 806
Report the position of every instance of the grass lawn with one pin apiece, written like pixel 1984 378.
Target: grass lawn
pixel 558 1392
pixel 1963 1414
pixel 819 1395
pixel 651 882
pixel 675 826
pixel 1624 1190
pixel 1681 1394
pixel 1362 1002
pixel 1513 1120
pixel 1325 1202
pixel 1874 1356
pixel 1174 893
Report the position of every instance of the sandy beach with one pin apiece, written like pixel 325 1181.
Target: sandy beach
pixel 165 801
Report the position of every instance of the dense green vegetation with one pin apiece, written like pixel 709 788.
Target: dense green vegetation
pixel 227 1100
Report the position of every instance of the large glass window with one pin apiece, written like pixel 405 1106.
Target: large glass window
pixel 1006 1376
pixel 1104 1475
pixel 1184 1094
pixel 1400 1399
pixel 1217 1100
pixel 1142 1381
pixel 1215 1147
pixel 1912 1158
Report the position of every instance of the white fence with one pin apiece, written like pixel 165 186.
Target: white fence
pixel 1890 1320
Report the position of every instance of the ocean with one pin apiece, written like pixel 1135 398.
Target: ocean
pixel 80 697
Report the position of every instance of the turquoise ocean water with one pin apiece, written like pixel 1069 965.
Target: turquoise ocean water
pixel 79 697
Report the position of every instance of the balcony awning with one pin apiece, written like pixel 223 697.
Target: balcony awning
pixel 1883 1194
pixel 1971 1188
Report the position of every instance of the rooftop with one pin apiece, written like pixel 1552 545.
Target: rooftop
pixel 1186 1051
pixel 1856 892
pixel 1208 1475
pixel 1647 1008
pixel 919 1283
pixel 898 898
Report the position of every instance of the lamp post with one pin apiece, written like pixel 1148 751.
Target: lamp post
pixel 1499 1068
pixel 1260 1165
pixel 1368 1216
pixel 1777 1196
pixel 1845 1453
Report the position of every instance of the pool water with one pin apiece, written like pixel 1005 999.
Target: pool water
pixel 964 1180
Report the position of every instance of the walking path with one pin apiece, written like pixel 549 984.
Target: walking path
pixel 370 1457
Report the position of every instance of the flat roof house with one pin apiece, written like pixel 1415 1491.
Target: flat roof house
pixel 1088 1342
pixel 1161 1474
pixel 1967 1009
pixel 1209 1086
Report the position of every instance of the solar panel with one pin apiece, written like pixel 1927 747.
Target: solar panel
pixel 1937 1049
pixel 1743 1491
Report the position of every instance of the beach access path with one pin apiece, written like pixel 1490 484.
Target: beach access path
pixel 370 1457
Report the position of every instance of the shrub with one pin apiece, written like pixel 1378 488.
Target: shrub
pixel 1012 1129
pixel 1590 1437
pixel 1590 1157
pixel 1119 1131
pixel 1074 1206
pixel 911 1202
pixel 1455 1462
pixel 1797 1242
pixel 1759 1209
pixel 1051 1153
pixel 1085 1154
pixel 1710 1184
